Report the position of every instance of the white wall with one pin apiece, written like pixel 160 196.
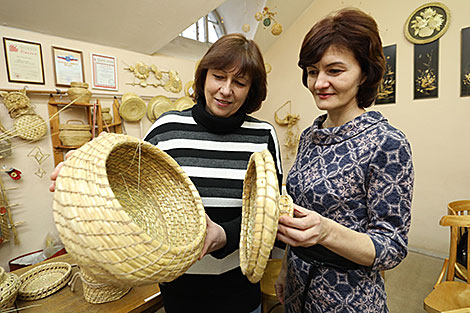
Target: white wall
pixel 32 195
pixel 438 129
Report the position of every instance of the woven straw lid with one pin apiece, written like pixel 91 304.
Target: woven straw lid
pixel 44 280
pixel 9 285
pixel 184 103
pixel 127 213
pixel 132 109
pixel 260 214
pixel 157 106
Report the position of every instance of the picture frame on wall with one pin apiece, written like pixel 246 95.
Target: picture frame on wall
pixel 104 72
pixel 465 63
pixel 387 89
pixel 68 66
pixel 426 70
pixel 23 61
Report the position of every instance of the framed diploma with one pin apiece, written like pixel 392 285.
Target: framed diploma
pixel 104 72
pixel 24 61
pixel 68 66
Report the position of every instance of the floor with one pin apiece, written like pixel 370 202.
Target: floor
pixel 409 283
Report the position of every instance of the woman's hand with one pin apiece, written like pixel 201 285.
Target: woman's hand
pixel 56 171
pixel 215 238
pixel 305 229
pixel 280 284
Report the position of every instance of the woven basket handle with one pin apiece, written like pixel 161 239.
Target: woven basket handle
pixel 80 121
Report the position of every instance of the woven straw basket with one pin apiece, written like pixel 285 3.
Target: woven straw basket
pixel 127 213
pixel 262 206
pixel 74 134
pixel 44 280
pixel 9 285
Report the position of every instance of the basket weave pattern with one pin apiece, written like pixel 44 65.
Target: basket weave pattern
pixel 96 292
pixel 260 215
pixel 9 285
pixel 128 213
pixel 43 280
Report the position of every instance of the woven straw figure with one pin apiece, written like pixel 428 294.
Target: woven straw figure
pixel 292 138
pixel 127 212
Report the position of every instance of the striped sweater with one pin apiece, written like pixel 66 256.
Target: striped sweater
pixel 216 162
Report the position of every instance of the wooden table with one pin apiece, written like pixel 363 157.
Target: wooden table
pixel 139 299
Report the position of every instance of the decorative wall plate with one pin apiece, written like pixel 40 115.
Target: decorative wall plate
pixel 427 23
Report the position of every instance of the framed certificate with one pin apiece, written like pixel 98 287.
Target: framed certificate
pixel 104 72
pixel 68 66
pixel 24 61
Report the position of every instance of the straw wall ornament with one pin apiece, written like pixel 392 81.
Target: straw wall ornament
pixel 127 213
pixel 39 156
pixel 262 206
pixel 292 136
pixel 169 80
pixel 267 17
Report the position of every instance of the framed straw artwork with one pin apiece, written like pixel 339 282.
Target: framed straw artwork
pixel 426 70
pixel 23 61
pixel 427 23
pixel 387 89
pixel 465 63
pixel 104 72
pixel 68 66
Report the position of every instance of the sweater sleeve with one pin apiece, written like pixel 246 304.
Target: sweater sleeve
pixel 389 196
pixel 232 232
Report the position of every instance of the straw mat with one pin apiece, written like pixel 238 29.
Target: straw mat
pixel 127 212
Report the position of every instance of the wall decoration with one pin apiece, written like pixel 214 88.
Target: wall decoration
pixel 268 19
pixel 104 72
pixel 427 23
pixel 68 66
pixel 292 136
pixel 39 156
pixel 169 80
pixel 387 89
pixel 24 61
pixel 426 65
pixel 465 63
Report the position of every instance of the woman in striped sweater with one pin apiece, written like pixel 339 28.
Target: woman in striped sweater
pixel 213 142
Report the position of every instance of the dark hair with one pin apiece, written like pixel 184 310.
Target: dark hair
pixel 230 51
pixel 356 31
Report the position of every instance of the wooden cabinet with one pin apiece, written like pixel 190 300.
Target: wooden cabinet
pixel 55 108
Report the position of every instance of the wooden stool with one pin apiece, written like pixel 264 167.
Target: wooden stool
pixel 270 303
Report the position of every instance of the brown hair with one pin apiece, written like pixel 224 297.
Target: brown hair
pixel 230 51
pixel 356 31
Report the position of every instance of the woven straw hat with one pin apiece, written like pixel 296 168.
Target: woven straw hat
pixel 132 108
pixel 260 214
pixel 184 103
pixel 157 106
pixel 9 286
pixel 127 213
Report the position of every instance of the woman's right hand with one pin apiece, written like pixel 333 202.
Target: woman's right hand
pixel 56 171
pixel 280 284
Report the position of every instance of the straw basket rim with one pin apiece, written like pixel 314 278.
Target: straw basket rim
pixel 9 290
pixel 158 103
pixel 103 236
pixel 260 214
pixel 96 293
pixel 44 280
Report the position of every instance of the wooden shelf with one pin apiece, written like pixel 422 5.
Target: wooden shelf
pixel 53 108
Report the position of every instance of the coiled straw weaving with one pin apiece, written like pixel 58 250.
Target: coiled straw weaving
pixel 262 206
pixel 127 213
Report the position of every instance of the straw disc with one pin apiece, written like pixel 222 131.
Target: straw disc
pixel 127 212
pixel 183 103
pixel 157 106
pixel 260 214
pixel 128 95
pixel 30 127
pixel 133 109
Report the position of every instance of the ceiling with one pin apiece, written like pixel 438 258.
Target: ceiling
pixel 145 26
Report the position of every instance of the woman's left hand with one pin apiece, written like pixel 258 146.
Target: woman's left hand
pixel 305 229
pixel 215 238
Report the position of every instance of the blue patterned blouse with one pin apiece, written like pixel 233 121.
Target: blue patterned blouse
pixel 360 175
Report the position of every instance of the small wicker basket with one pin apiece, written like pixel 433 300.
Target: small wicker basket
pixel 260 214
pixel 127 213
pixel 74 134
pixel 44 280
pixel 9 286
